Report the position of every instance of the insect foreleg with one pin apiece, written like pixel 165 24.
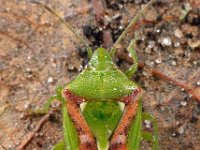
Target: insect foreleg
pixel 131 24
pixel 119 138
pixel 151 136
pixel 59 146
pixel 131 48
pixel 44 110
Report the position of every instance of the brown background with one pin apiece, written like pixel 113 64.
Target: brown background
pixel 35 48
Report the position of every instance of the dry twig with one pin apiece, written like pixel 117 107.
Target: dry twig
pixel 31 135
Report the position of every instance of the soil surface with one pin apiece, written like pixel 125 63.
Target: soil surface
pixel 37 53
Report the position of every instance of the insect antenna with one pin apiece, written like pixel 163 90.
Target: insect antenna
pixel 132 23
pixel 69 26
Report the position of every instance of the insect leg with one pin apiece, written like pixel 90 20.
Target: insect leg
pixel 131 24
pixel 151 136
pixel 87 140
pixel 59 146
pixel 46 106
pixel 131 48
pixel 119 138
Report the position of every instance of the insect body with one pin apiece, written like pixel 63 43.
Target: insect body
pixel 100 104
pixel 101 85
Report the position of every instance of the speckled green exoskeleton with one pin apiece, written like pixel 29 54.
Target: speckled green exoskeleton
pixel 102 107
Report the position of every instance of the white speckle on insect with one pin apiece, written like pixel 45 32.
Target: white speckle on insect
pixel 84 139
pixel 114 89
pixel 121 139
pixel 183 103
pixel 166 41
pixel 109 131
pixel 147 123
pixel 55 104
pixel 50 80
pixel 104 148
pixel 82 106
pixel 121 105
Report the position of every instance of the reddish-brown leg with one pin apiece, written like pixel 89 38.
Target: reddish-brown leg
pixel 119 138
pixel 87 140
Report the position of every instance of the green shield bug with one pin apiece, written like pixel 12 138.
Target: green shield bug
pixel 102 107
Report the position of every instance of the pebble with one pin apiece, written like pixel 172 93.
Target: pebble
pixel 174 134
pixel 8 9
pixel 158 30
pixel 183 103
pixel 158 60
pixel 176 44
pixel 174 63
pixel 41 133
pixel 26 105
pixel 178 33
pixel 151 44
pixel 50 80
pixel 148 50
pixel 194 62
pixel 181 130
pixel 28 70
pixel 166 41
pixel 138 1
pixel 29 57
